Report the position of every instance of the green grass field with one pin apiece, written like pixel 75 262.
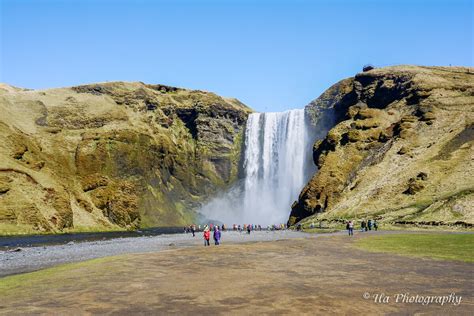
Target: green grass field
pixel 458 247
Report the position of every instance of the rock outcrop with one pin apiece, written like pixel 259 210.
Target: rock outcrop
pixel 401 150
pixel 113 155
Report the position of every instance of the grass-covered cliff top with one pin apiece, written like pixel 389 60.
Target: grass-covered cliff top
pixel 114 155
pixel 400 149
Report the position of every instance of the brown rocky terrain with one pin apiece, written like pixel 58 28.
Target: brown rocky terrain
pixel 113 155
pixel 401 150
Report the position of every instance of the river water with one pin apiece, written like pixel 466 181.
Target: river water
pixel 43 240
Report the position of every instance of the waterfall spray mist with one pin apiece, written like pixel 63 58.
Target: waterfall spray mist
pixel 276 169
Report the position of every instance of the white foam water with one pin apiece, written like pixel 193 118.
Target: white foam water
pixel 275 168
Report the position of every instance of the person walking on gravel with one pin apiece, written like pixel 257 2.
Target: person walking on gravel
pixel 350 228
pixel 217 235
pixel 207 235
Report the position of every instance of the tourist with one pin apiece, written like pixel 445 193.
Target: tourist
pixel 362 226
pixel 217 235
pixel 193 229
pixel 369 224
pixel 350 228
pixel 248 229
pixel 240 228
pixel 207 236
pixel 376 226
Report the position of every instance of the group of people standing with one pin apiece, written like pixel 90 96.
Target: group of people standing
pixel 250 227
pixel 368 225
pixel 197 228
pixel 216 230
pixel 246 227
pixel 364 226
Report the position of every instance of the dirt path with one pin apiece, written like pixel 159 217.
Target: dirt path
pixel 315 275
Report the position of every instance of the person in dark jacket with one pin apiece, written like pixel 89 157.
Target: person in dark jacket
pixel 217 235
pixel 376 226
pixel 350 228
pixel 362 226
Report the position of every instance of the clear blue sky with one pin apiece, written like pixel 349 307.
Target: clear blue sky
pixel 272 55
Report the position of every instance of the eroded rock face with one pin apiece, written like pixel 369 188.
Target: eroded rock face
pixel 393 127
pixel 113 155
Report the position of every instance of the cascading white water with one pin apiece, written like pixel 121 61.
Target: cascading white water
pixel 275 147
pixel 275 160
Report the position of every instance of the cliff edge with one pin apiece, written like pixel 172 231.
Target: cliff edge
pixel 401 150
pixel 113 155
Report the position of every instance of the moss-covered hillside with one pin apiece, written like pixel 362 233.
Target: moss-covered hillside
pixel 401 149
pixel 113 155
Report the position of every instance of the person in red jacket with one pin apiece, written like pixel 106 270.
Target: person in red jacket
pixel 207 235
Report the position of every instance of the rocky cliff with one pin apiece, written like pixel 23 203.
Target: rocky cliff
pixel 113 155
pixel 401 150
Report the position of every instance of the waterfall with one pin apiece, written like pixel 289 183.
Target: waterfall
pixel 275 167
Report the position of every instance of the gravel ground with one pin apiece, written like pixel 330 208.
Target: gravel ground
pixel 34 258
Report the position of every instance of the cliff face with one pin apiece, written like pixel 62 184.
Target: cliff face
pixel 401 149
pixel 113 155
